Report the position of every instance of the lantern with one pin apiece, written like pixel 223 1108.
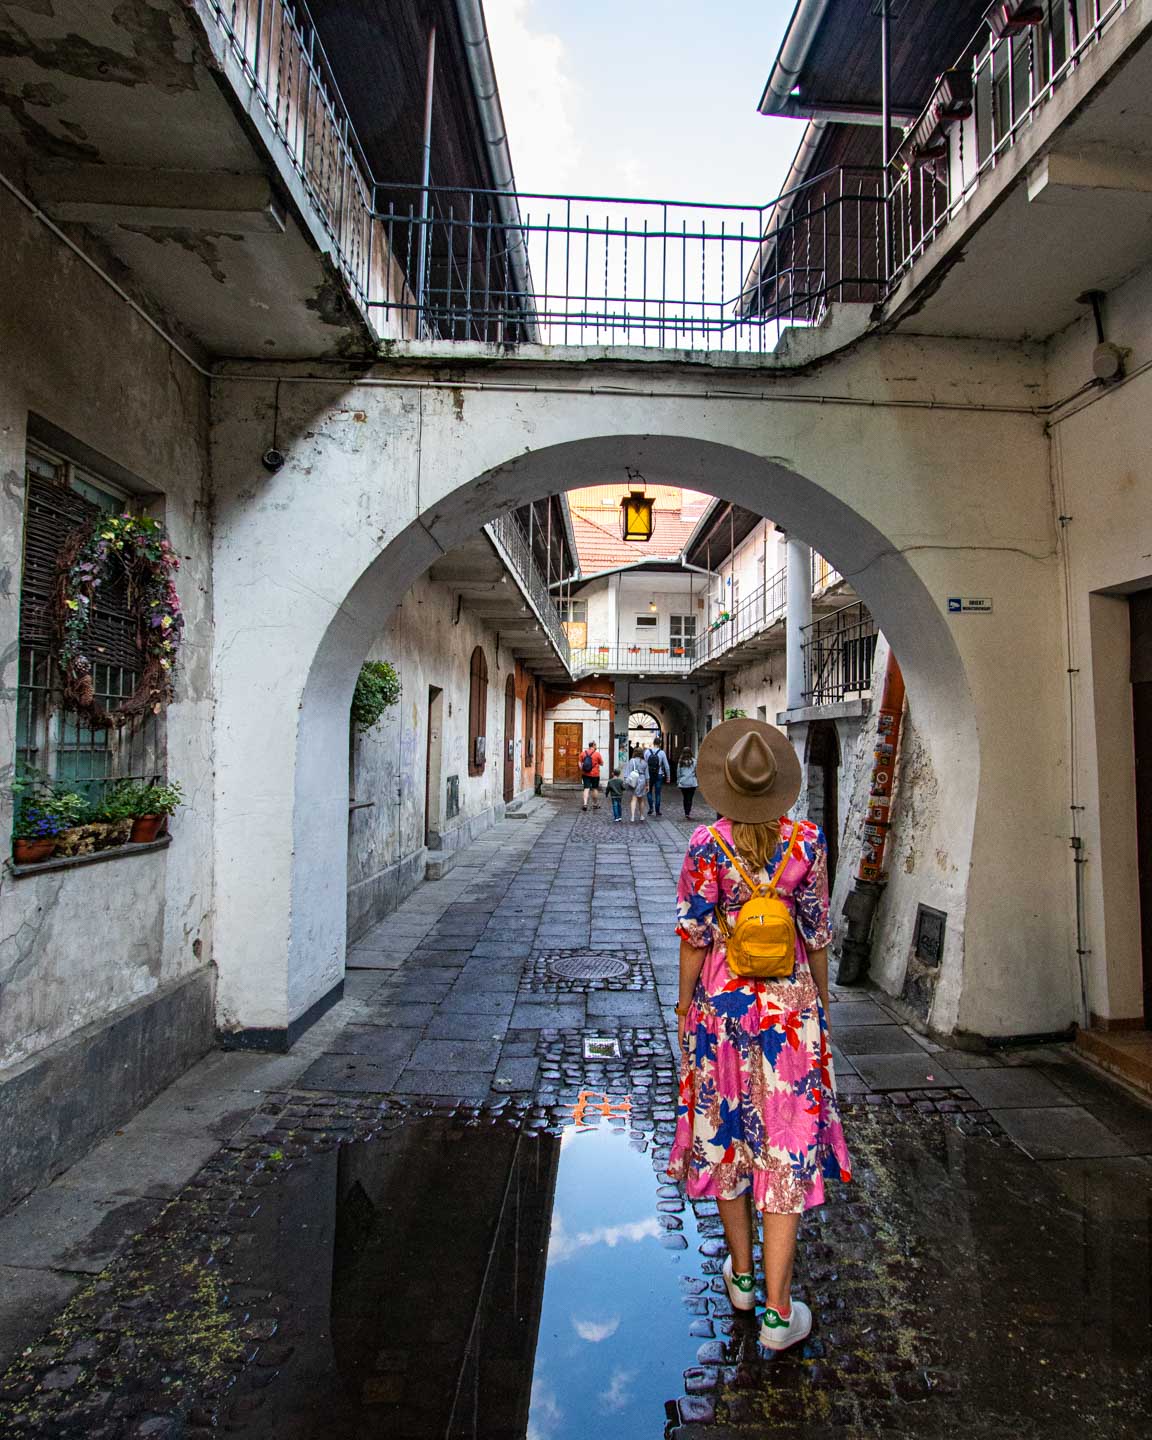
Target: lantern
pixel 636 517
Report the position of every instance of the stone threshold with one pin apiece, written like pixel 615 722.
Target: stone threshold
pixel 1124 1053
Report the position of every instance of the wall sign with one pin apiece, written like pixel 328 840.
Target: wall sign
pixel 965 604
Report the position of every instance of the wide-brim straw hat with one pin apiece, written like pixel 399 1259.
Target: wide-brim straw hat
pixel 748 770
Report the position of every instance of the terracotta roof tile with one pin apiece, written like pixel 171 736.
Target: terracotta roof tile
pixel 595 511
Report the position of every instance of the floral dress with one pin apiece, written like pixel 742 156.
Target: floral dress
pixel 757 1093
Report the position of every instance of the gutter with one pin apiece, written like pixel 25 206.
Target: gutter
pixel 474 32
pixel 785 73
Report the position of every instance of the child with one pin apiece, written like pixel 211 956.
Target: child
pixel 615 789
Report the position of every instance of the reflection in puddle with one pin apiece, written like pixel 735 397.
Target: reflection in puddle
pixel 448 1281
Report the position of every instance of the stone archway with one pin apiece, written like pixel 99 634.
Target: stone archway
pixel 281 904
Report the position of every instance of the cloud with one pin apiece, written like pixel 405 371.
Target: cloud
pixel 545 1414
pixel 596 1330
pixel 616 1397
pixel 563 1246
pixel 538 96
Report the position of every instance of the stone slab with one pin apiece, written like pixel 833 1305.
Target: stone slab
pixel 1061 1132
pixel 452 1055
pixel 456 1084
pixel 351 1074
pixel 29 1300
pixel 412 1016
pixel 875 1040
pixel 468 1025
pixel 473 1000
pixel 516 1074
pixel 851 1013
pixel 548 1015
pixel 377 1042
pixel 904 1072
pixel 81 1227
pixel 622 1005
pixel 1014 1088
pixel 360 959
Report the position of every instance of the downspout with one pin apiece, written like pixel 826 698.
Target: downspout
pixel 483 74
pixel 862 901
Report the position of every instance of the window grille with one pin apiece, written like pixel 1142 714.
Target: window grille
pixel 60 497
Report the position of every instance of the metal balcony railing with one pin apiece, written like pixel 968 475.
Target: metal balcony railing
pixel 613 271
pixel 765 607
pixel 838 653
pixel 1011 78
pixel 512 544
pixel 635 659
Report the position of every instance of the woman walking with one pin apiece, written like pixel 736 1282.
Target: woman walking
pixel 636 781
pixel 686 780
pixel 758 1122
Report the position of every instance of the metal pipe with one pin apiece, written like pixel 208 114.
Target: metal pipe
pixel 426 178
pixel 794 48
pixel 861 904
pixel 886 127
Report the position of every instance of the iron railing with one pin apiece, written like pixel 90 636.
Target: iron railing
pixel 838 653
pixel 765 607
pixel 939 165
pixel 512 544
pixel 606 270
pixel 635 659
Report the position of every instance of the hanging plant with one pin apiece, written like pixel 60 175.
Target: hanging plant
pixel 377 687
pixel 140 547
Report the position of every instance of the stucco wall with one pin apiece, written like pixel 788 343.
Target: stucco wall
pixel 1103 486
pixel 78 946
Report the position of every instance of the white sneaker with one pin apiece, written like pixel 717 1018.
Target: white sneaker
pixel 741 1288
pixel 777 1334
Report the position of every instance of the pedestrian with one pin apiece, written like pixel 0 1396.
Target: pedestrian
pixel 590 762
pixel 686 780
pixel 615 793
pixel 658 771
pixel 636 781
pixel 758 1119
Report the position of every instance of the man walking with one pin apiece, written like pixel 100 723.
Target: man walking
pixel 658 771
pixel 590 763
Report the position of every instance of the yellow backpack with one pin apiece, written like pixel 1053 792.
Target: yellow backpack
pixel 762 942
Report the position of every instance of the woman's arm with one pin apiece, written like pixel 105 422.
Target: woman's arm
pixel 817 963
pixel 691 963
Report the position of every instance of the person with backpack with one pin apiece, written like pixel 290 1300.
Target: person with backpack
pixel 590 763
pixel 636 783
pixel 658 771
pixel 758 1120
pixel 686 780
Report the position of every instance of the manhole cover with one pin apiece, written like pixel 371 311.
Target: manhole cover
pixel 588 967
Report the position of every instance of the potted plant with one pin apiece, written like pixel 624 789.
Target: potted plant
pixel 43 813
pixel 146 806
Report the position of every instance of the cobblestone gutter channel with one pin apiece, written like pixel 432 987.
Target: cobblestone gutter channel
pixel 369 1257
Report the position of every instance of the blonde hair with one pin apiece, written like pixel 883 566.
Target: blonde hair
pixel 755 842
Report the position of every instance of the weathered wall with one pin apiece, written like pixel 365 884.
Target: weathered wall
pixel 913 504
pixel 78 946
pixel 430 643
pixel 1100 449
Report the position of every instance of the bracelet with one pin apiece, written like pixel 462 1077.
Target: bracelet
pixel 685 1010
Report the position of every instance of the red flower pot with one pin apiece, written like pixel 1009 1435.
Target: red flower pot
pixel 32 852
pixel 145 828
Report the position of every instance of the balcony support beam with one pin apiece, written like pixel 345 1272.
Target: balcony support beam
pixel 214 202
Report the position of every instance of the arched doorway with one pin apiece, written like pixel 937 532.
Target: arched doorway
pixel 643 727
pixel 824 785
pixel 510 739
pixel 284 898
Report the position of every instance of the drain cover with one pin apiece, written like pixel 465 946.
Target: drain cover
pixel 588 967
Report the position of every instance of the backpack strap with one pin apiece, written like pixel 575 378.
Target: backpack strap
pixel 752 885
pixel 788 853
pixel 758 887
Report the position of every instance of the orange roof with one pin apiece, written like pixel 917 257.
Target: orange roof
pixel 595 513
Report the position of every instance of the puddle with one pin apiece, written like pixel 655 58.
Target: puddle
pixel 448 1281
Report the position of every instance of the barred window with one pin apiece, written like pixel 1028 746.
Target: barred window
pixel 60 496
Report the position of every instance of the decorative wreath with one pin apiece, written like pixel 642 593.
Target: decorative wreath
pixel 138 544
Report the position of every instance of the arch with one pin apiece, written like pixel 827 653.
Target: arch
pixel 883 577
pixel 477 711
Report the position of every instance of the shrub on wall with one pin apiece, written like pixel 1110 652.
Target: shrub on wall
pixel 735 714
pixel 377 687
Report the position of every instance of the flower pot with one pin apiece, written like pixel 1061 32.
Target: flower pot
pixel 145 828
pixel 33 852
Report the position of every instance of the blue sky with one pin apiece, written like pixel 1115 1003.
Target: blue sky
pixel 652 98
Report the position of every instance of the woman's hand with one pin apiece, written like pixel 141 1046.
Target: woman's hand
pixel 681 1029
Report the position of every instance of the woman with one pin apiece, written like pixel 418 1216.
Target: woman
pixel 636 781
pixel 686 780
pixel 758 1119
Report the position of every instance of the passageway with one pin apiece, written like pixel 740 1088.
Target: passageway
pixel 450 1218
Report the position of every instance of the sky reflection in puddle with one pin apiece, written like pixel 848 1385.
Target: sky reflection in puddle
pixel 613 1342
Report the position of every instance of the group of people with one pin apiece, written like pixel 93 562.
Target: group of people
pixel 641 780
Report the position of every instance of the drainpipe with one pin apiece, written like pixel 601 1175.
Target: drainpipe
pixel 483 75
pixel 794 50
pixel 868 886
pixel 886 127
pixel 797 617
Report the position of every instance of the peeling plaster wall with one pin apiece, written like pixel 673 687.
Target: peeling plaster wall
pixel 79 946
pixel 1103 486
pixel 427 648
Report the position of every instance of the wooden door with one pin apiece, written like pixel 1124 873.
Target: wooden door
pixel 509 739
pixel 1140 610
pixel 567 742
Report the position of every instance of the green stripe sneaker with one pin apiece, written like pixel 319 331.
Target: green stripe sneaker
pixel 777 1334
pixel 741 1288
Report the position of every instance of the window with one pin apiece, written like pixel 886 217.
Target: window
pixel 530 726
pixel 682 634
pixel 477 712
pixel 647 622
pixel 574 620
pixel 60 496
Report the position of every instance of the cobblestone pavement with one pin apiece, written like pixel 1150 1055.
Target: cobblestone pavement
pixel 367 1253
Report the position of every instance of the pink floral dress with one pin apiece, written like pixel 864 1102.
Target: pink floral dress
pixel 757 1093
